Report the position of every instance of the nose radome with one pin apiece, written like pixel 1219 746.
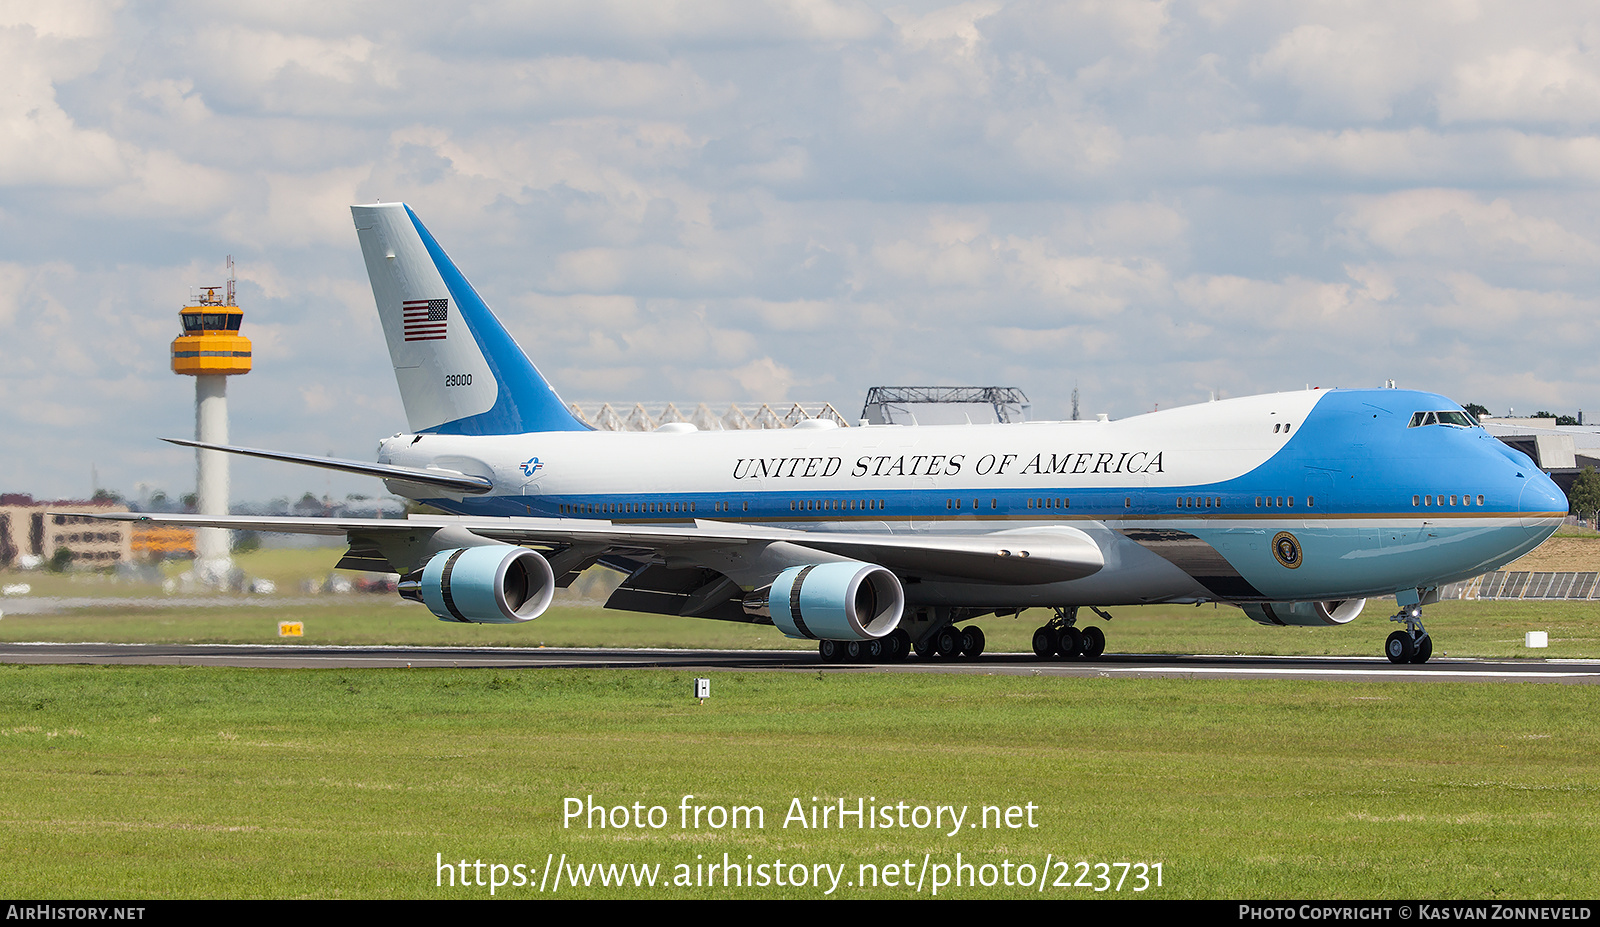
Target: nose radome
pixel 1543 505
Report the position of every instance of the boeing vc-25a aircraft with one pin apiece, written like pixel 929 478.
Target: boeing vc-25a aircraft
pixel 878 540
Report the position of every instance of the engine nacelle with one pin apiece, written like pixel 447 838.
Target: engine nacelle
pixel 1305 614
pixel 494 584
pixel 846 601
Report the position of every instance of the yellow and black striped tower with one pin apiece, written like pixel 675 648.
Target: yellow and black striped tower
pixel 210 349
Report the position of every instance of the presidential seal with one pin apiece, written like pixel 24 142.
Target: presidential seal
pixel 1286 549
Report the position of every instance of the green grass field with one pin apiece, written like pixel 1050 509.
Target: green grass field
pixel 156 782
pixel 1462 629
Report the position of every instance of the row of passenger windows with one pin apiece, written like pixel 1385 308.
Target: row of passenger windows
pixel 956 503
pixel 633 508
pixel 1427 501
pixel 834 505
pixel 689 508
pixel 857 505
pixel 854 505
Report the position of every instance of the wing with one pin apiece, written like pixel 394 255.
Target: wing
pixel 1026 556
pixel 810 584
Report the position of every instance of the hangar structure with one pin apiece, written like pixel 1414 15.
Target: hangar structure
pixel 945 405
pixel 738 416
pixel 885 405
pixel 1559 450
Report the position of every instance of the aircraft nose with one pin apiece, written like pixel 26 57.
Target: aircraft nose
pixel 1543 505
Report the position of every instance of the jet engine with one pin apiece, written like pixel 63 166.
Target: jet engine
pixel 841 601
pixel 493 584
pixel 1305 614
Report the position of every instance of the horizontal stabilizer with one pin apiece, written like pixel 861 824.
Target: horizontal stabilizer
pixel 453 480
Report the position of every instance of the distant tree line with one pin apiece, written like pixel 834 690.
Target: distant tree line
pixel 1477 411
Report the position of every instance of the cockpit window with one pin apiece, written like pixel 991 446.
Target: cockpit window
pixel 1458 419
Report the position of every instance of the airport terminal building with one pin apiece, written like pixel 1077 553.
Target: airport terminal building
pixel 30 528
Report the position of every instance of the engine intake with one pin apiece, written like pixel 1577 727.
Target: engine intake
pixel 493 584
pixel 1305 614
pixel 834 601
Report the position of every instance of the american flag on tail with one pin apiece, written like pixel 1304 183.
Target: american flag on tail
pixel 425 319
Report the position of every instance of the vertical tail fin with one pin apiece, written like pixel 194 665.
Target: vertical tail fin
pixel 459 371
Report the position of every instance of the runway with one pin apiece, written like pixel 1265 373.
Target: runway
pixel 1146 666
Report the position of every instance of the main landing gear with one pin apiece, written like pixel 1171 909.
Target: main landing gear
pixel 891 648
pixel 1062 637
pixel 950 643
pixel 1413 645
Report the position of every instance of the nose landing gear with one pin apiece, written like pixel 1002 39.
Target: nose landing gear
pixel 1414 644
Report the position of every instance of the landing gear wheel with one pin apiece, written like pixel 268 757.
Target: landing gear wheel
pixel 852 652
pixel 924 648
pixel 972 642
pixel 1414 644
pixel 947 643
pixel 896 646
pixel 872 651
pixel 830 651
pixel 1094 643
pixel 1399 648
pixel 1045 642
pixel 1071 647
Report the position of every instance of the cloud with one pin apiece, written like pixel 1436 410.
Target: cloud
pixel 60 19
pixel 709 199
pixel 1526 85
pixel 1459 227
pixel 1348 73
pixel 40 143
pixel 617 25
pixel 302 210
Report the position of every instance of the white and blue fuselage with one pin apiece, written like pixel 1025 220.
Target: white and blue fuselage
pixel 1185 504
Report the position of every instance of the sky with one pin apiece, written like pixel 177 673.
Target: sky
pixel 700 200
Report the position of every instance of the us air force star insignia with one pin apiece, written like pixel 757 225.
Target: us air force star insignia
pixel 1286 549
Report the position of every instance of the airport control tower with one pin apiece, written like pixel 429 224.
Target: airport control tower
pixel 211 350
